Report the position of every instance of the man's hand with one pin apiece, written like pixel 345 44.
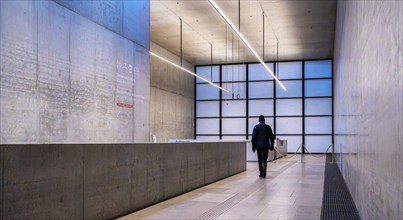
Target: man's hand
pixel 253 148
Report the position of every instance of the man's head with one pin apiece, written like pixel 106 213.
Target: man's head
pixel 261 118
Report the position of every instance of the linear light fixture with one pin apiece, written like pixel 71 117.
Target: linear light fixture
pixel 245 41
pixel 188 71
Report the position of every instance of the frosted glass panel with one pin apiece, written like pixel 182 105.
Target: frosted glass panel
pixel 289 107
pixel 318 69
pixel 258 72
pixel 207 71
pixel 254 121
pixel 208 138
pixel 261 90
pixel 318 125
pixel 289 125
pixel 207 91
pixel 318 144
pixel 207 126
pixel 236 91
pixel 294 89
pixel 261 107
pixel 318 106
pixel 234 138
pixel 293 142
pixel 233 125
pixel 207 109
pixel 233 73
pixel 321 87
pixel 234 108
pixel 289 70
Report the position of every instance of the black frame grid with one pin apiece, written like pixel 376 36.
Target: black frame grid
pixel 275 98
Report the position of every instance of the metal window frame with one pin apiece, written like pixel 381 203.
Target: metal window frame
pixel 274 98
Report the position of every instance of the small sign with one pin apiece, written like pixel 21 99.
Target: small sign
pixel 124 105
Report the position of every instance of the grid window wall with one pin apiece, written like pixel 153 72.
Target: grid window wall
pixel 302 114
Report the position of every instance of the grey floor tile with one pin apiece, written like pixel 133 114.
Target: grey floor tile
pixel 229 217
pixel 291 191
pixel 308 212
pixel 212 197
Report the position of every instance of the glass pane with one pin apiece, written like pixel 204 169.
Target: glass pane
pixel 236 91
pixel 289 107
pixel 261 107
pixel 207 126
pixel 320 87
pixel 207 91
pixel 208 137
pixel 207 71
pixel 318 106
pixel 293 142
pixel 318 144
pixel 318 69
pixel 234 138
pixel 258 72
pixel 207 109
pixel 254 121
pixel 261 90
pixel 318 125
pixel 294 89
pixel 233 125
pixel 289 125
pixel 232 73
pixel 289 70
pixel 234 108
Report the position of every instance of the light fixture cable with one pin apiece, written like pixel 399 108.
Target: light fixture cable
pixel 245 42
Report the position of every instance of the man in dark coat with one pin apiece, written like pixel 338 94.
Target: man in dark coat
pixel 262 141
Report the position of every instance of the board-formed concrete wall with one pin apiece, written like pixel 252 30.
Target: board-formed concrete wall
pixel 100 181
pixel 74 71
pixel 172 98
pixel 368 107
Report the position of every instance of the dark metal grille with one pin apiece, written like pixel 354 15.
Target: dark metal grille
pixel 337 202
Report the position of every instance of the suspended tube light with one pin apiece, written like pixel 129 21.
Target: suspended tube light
pixel 245 41
pixel 188 71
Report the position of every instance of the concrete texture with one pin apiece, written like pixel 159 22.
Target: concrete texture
pixel 42 182
pixel 172 98
pixel 304 29
pixel 68 73
pixel 101 181
pixel 107 185
pixel 1 180
pixel 130 19
pixel 195 171
pixel 368 105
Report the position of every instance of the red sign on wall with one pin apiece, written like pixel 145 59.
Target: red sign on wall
pixel 124 105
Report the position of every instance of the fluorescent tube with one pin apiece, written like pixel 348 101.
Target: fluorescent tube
pixel 188 71
pixel 245 41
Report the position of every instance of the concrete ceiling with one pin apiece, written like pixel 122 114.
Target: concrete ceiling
pixel 304 28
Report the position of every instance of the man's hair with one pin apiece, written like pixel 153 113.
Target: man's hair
pixel 261 118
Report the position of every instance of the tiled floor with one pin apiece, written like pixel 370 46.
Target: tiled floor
pixel 292 190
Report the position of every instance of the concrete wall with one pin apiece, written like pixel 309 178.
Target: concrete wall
pixel 74 71
pixel 99 181
pixel 172 98
pixel 368 105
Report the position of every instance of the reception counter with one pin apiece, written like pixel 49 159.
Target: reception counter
pixel 100 181
pixel 280 151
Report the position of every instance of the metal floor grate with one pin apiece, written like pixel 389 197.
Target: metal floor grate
pixel 337 202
